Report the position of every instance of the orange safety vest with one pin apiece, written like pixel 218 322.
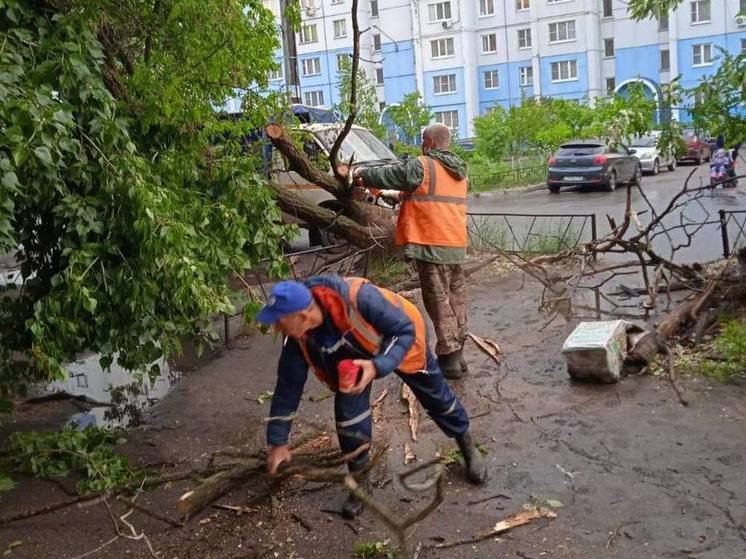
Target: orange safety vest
pixel 348 320
pixel 435 213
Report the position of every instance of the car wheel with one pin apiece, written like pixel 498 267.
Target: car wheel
pixel 553 189
pixel 656 167
pixel 637 178
pixel 672 165
pixel 611 185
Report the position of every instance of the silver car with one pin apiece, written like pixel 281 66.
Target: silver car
pixel 651 158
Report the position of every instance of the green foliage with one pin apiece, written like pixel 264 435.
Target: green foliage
pixel 401 149
pixel 729 359
pixel 643 9
pixel 386 270
pixel 488 235
pixel 6 483
pixel 126 197
pixel 367 114
pixel 88 454
pixel 374 550
pixel 410 116
pixel 619 117
pixel 720 99
pixel 670 139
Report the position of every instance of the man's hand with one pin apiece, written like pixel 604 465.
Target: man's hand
pixel 276 455
pixel 391 197
pixel 369 373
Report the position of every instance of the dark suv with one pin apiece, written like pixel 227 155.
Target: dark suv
pixel 592 162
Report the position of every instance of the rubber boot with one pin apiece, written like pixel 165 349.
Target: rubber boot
pixel 450 364
pixel 476 468
pixel 352 507
pixel 462 362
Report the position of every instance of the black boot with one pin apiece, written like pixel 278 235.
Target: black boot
pixel 476 468
pixel 462 362
pixel 352 507
pixel 450 364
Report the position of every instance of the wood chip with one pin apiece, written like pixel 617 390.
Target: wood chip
pixel 377 407
pixel 414 409
pixel 488 346
pixel 409 456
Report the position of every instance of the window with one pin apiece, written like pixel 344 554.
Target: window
pixel 338 1
pixel 308 4
pixel 276 74
pixel 562 31
pixel 444 84
pixel 438 12
pixel 663 22
pixel 702 55
pixel 526 76
pixel 311 66
pixel 341 59
pixel 608 8
pixel 491 79
pixel 524 38
pixel 379 76
pixel 665 60
pixel 441 48
pixel 489 43
pixel 486 7
pixel 608 48
pixel 700 11
pixel 449 118
pixel 308 33
pixel 314 98
pixel 521 5
pixel 610 86
pixel 742 7
pixel 377 42
pixel 743 46
pixel 564 70
pixel 340 28
pixel 381 106
pixel 373 8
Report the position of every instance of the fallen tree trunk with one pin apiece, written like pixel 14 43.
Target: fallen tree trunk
pixel 378 219
pixel 299 207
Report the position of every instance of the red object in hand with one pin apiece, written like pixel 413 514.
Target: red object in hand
pixel 349 374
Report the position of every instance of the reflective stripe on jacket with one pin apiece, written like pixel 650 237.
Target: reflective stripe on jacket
pixel 435 213
pixel 348 320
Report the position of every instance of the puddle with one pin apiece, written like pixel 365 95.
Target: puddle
pixel 122 395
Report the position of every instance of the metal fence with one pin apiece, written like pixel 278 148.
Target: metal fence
pixel 733 230
pixel 530 233
pixel 509 176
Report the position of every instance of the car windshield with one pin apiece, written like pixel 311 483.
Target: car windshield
pixel 360 143
pixel 644 142
pixel 570 150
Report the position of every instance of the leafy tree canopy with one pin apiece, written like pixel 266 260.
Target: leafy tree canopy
pixel 367 115
pixel 410 116
pixel 127 199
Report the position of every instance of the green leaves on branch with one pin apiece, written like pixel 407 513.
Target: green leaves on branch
pixel 367 114
pixel 127 199
pixel 88 454
pixel 410 116
pixel 643 9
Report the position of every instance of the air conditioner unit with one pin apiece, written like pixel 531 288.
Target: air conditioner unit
pixel 741 20
pixel 311 10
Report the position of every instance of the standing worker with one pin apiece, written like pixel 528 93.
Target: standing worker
pixel 432 190
pixel 331 324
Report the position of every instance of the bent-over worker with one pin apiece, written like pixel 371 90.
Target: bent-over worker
pixel 327 320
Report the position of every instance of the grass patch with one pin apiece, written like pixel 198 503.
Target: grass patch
pixel 386 270
pixel 489 233
pixel 374 550
pixel 723 359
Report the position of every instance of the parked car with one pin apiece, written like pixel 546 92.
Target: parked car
pixel 592 162
pixel 651 158
pixel 697 149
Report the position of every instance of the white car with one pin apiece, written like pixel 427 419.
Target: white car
pixel 651 158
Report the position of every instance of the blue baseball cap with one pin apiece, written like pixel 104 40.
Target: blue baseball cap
pixel 287 297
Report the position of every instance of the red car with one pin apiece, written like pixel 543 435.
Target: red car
pixel 697 149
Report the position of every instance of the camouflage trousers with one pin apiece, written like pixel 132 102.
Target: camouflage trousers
pixel 444 295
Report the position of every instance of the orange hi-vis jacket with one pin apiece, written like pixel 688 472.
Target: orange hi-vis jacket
pixel 435 213
pixel 348 320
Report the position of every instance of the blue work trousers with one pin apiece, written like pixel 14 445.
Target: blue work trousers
pixel 353 413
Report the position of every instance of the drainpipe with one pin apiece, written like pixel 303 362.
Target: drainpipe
pixel 290 51
pixel 673 53
pixel 417 47
pixel 593 49
pixel 471 77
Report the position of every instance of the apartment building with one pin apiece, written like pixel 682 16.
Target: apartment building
pixel 466 56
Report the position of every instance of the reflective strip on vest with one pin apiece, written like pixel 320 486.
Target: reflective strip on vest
pixel 435 213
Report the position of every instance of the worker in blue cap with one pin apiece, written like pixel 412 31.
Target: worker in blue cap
pixel 330 322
